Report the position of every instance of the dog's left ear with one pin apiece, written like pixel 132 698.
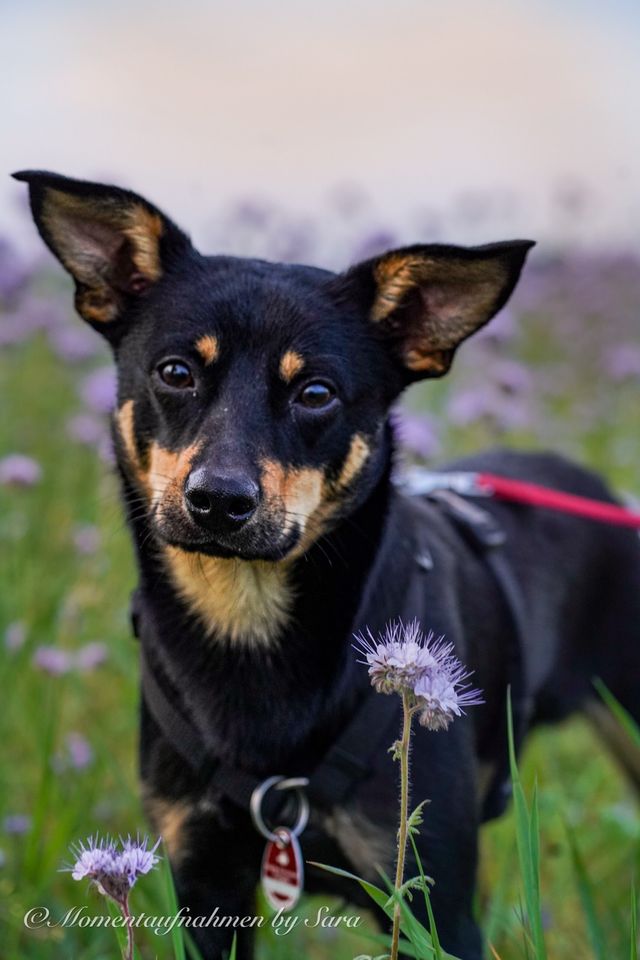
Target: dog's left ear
pixel 114 243
pixel 425 300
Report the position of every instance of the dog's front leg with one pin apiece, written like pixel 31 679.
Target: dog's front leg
pixel 215 866
pixel 221 904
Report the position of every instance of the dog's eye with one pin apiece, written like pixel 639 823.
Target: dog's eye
pixel 176 374
pixel 316 395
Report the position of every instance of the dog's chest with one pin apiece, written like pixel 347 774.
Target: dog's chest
pixel 248 603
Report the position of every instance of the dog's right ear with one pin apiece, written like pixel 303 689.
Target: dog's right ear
pixel 114 243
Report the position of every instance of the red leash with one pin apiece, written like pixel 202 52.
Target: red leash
pixel 517 491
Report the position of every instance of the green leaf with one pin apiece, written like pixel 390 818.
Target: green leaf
pixel 379 897
pixel 415 820
pixel 414 883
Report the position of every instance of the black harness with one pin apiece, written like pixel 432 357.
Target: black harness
pixel 350 759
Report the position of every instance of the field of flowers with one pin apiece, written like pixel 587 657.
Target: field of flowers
pixel 559 368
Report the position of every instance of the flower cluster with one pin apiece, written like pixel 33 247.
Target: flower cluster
pixel 403 660
pixel 112 867
pixel 56 660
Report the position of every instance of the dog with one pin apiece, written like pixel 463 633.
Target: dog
pixel 254 448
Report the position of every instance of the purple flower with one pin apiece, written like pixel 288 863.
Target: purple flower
pixel 252 213
pixel 502 328
pixel 37 314
pixel 16 824
pixel 97 861
pixel 622 362
pixel 79 751
pixel 377 242
pixel 52 660
pixel 13 272
pixel 442 692
pixel 74 343
pixel 15 635
pixel 98 390
pixel 90 656
pixel 86 540
pixel 349 199
pixel 512 377
pixel 397 658
pixel 16 470
pixel 56 661
pixel 417 433
pixel 86 428
pixel 113 871
pixel 422 668
pixel 487 402
pixel 14 330
pixel 106 451
pixel 136 859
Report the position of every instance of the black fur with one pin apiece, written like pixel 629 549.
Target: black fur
pixel 276 706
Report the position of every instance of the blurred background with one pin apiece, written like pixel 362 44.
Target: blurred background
pixel 457 119
pixel 322 133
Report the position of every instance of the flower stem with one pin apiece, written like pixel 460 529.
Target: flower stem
pixel 128 955
pixel 405 747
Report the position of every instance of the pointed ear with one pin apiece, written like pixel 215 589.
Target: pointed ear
pixel 114 243
pixel 425 300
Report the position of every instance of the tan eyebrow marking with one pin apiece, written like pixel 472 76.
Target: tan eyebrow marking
pixel 208 347
pixel 291 363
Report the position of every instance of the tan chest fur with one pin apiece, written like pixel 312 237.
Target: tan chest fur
pixel 246 601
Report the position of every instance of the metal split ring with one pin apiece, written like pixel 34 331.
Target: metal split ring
pixel 280 783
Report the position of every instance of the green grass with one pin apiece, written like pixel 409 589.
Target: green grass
pixel 583 826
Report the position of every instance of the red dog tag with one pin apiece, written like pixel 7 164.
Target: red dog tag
pixel 282 874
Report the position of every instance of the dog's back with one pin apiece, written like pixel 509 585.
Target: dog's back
pixel 581 583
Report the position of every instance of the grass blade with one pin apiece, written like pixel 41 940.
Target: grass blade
pixel 177 938
pixel 585 891
pixel 437 948
pixel 622 715
pixel 527 831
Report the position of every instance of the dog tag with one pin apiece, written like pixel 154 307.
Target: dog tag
pixel 282 874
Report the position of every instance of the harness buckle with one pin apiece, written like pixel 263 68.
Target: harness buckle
pixel 418 482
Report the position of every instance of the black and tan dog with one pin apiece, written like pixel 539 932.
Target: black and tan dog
pixel 253 443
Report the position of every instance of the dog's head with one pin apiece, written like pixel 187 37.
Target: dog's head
pixel 253 396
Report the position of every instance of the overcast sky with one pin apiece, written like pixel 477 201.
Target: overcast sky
pixel 417 101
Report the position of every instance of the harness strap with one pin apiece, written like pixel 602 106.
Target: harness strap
pixel 487 536
pixel 348 761
pixel 182 736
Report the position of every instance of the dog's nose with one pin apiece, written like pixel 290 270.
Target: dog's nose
pixel 220 502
